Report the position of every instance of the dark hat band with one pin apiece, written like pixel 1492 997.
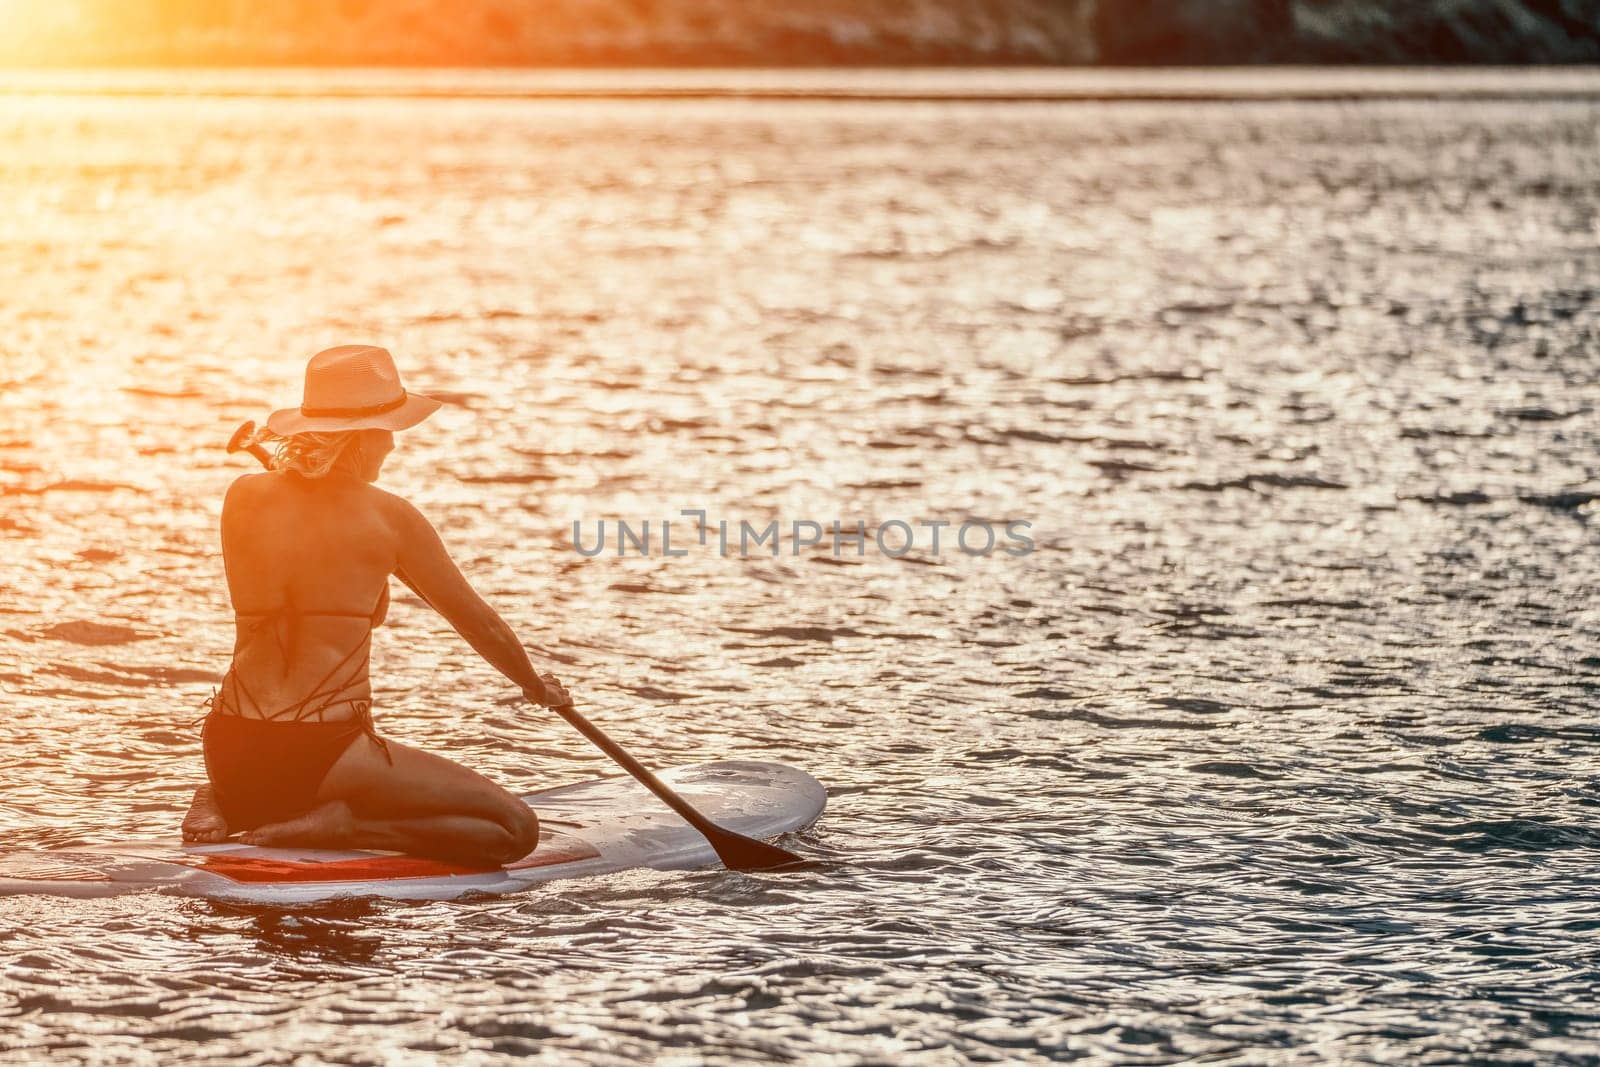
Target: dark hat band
pixel 351 413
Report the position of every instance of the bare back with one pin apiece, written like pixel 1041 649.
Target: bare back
pixel 310 558
pixel 308 563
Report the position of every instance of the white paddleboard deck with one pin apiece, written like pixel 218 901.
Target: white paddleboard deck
pixel 610 824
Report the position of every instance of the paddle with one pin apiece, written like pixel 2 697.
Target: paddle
pixel 736 851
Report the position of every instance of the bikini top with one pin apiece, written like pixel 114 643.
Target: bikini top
pixel 322 696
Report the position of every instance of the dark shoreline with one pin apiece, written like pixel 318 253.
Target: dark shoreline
pixel 908 84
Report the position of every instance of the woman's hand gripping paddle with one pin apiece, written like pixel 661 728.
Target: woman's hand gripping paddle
pixel 736 851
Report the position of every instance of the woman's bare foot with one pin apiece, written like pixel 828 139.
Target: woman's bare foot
pixel 329 826
pixel 204 823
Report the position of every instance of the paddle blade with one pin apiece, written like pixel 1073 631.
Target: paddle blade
pixel 740 853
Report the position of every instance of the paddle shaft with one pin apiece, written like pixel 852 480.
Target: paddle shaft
pixel 639 771
pixel 734 849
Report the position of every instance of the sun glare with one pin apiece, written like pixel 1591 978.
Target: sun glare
pixel 38 31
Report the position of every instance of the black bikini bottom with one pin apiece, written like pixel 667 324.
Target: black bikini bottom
pixel 264 770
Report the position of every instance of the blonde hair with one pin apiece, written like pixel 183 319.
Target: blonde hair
pixel 315 455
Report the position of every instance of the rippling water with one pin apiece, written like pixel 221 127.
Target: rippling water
pixel 1278 748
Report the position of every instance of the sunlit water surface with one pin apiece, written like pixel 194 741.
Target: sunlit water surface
pixel 1278 749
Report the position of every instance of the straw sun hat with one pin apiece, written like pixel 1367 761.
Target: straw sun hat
pixel 352 387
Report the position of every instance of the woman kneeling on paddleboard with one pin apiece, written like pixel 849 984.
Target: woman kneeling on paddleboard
pixel 290 749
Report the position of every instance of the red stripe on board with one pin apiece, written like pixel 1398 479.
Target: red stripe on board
pixel 369 868
pixel 239 867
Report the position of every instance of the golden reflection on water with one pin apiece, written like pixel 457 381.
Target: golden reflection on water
pixel 1293 396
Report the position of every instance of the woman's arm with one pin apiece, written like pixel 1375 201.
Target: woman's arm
pixel 424 564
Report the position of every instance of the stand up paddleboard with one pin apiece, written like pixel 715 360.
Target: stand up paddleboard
pixel 597 827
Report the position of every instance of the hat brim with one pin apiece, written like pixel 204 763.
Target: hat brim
pixel 417 407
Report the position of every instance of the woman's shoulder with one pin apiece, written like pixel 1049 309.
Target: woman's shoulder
pixel 287 489
pixel 244 487
pixel 400 511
